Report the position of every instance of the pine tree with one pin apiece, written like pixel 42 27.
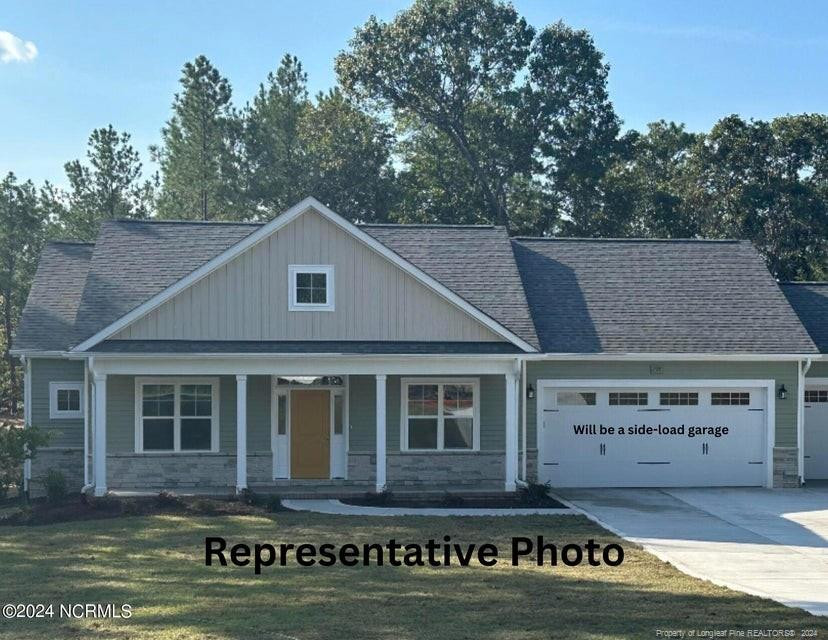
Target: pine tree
pixel 198 155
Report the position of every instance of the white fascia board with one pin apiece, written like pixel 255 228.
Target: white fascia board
pixel 305 365
pixel 703 357
pixel 271 227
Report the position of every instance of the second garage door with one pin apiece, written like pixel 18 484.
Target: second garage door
pixel 591 436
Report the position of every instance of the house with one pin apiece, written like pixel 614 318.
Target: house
pixel 810 301
pixel 312 354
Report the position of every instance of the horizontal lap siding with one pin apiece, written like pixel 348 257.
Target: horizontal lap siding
pixel 65 433
pixel 782 372
pixel 120 415
pixel 818 370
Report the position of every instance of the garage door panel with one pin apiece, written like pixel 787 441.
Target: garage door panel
pixel 816 432
pixel 697 437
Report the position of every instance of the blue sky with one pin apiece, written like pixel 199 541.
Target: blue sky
pixel 118 62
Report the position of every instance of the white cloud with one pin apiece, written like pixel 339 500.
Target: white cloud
pixel 13 49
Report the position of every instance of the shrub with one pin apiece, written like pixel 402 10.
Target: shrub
pixel 203 506
pixel 249 497
pixel 534 494
pixel 16 446
pixel 55 485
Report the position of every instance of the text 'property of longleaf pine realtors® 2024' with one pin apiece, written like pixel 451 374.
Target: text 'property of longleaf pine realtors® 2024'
pixel 444 553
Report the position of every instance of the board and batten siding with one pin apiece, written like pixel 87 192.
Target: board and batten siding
pixel 782 372
pixel 362 412
pixel 120 414
pixel 247 299
pixel 64 433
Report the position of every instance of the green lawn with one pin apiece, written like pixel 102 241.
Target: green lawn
pixel 156 565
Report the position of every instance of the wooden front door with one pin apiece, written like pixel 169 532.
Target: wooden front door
pixel 310 434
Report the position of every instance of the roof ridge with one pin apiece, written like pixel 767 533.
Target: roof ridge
pixel 72 242
pixel 429 226
pixel 196 222
pixel 664 240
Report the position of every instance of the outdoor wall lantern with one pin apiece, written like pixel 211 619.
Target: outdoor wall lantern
pixel 530 392
pixel 782 394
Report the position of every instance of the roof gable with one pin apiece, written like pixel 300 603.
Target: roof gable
pixel 108 305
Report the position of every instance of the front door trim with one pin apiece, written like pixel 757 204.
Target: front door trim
pixel 277 441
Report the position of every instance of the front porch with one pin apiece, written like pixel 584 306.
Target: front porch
pixel 308 426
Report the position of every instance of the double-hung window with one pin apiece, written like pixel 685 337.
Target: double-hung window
pixel 176 414
pixel 440 415
pixel 310 287
pixel 65 400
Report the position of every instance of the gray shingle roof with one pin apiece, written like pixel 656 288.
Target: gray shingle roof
pixel 649 296
pixel 810 301
pixel 476 262
pixel 48 319
pixel 303 346
pixel 135 260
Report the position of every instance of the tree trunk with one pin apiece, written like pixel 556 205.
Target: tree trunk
pixel 496 208
pixel 14 391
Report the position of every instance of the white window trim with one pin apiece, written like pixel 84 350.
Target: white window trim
pixel 176 382
pixel 440 382
pixel 294 270
pixel 57 414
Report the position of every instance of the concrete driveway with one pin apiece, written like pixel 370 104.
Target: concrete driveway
pixel 769 543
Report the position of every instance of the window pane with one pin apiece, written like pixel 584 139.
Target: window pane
pixel 730 398
pixel 576 398
pixel 679 398
pixel 458 400
pixel 319 280
pixel 628 398
pixel 319 296
pixel 63 400
pixel 338 416
pixel 196 400
pixel 281 408
pixel 303 280
pixel 158 399
pixel 422 433
pixel 303 295
pixel 195 433
pixel 422 400
pixel 158 434
pixel 73 400
pixel 458 433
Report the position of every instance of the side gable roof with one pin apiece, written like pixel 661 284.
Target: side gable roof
pixel 656 296
pixel 104 310
pixel 810 301
pixel 48 320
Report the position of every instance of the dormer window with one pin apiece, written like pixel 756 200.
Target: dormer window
pixel 311 287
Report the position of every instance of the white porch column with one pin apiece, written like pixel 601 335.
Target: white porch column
pixel 241 432
pixel 99 450
pixel 511 431
pixel 380 432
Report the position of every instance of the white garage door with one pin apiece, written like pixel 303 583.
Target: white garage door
pixel 816 431
pixel 652 437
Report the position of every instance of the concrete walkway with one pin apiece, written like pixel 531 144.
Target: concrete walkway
pixel 769 543
pixel 335 507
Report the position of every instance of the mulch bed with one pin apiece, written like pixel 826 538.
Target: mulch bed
pixel 77 507
pixel 454 502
